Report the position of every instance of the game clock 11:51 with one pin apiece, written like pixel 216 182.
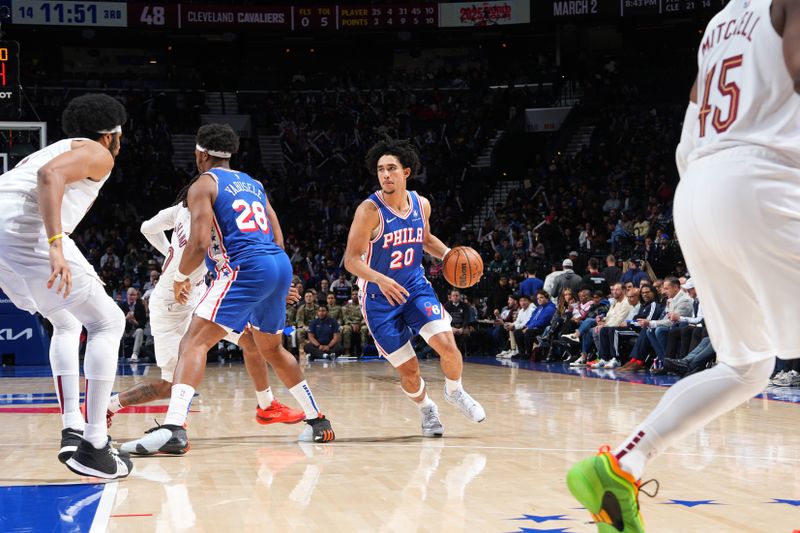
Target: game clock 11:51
pixel 67 13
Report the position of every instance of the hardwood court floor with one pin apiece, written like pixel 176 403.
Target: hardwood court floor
pixel 741 473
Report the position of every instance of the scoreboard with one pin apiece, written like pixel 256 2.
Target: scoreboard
pixel 302 17
pixel 611 9
pixel 389 16
pixel 201 16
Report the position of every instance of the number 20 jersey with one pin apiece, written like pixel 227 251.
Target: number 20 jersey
pixel 396 251
pixel 745 94
pixel 241 228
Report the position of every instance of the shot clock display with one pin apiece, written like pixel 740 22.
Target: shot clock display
pixel 9 73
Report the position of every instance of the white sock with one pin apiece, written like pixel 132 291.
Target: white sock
pixel 179 403
pixel 114 405
pixel 265 397
pixel 302 393
pixel 689 405
pixel 426 402
pixel 452 385
pixel 97 394
pixel 69 398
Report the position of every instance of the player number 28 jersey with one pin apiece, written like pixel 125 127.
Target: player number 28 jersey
pixel 396 251
pixel 241 227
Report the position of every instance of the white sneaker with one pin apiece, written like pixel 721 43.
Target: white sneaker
pixel 778 377
pixel 510 354
pixel 502 354
pixel 431 425
pixel 468 406
pixel 571 336
pixel 134 358
pixel 581 361
pixel 782 379
pixel 614 363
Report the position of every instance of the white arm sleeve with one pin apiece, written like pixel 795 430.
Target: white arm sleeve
pixel 154 228
pixel 686 145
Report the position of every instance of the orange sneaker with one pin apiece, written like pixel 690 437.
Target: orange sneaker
pixel 277 412
pixel 109 415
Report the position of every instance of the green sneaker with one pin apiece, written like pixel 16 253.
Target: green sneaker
pixel 609 493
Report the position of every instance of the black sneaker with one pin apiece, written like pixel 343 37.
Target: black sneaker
pixel 164 438
pixel 676 366
pixel 106 463
pixel 70 439
pixel 317 430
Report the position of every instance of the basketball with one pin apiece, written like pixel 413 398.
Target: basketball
pixel 463 267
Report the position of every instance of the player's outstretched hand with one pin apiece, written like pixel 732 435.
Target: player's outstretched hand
pixel 394 292
pixel 181 290
pixel 59 269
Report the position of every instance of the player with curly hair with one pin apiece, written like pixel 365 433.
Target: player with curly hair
pixel 389 234
pixel 42 200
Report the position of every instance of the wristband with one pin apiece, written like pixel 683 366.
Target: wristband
pixel 445 253
pixel 180 277
pixel 55 237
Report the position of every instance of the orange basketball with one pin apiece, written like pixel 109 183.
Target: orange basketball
pixel 463 267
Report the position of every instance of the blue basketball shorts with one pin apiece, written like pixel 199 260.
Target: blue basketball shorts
pixel 254 292
pixel 392 327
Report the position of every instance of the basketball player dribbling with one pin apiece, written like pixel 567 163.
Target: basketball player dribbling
pixel 169 321
pixel 389 233
pixel 741 147
pixel 42 200
pixel 231 222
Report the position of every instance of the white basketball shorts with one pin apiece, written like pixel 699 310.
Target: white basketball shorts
pixel 737 216
pixel 169 322
pixel 25 267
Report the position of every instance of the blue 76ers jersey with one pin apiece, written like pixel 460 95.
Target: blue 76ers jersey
pixel 241 227
pixel 397 249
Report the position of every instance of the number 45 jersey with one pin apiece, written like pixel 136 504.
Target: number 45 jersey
pixel 744 91
pixel 241 228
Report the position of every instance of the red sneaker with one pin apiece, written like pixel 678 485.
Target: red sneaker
pixel 109 415
pixel 277 412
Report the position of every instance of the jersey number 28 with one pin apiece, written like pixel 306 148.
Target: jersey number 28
pixel 252 217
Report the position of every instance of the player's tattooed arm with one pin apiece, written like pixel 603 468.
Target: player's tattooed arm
pixel 432 244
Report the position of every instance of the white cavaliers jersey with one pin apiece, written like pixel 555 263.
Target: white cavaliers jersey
pixel 744 92
pixel 78 196
pixel 178 219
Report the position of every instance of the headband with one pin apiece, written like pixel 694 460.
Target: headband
pixel 118 129
pixel 215 153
